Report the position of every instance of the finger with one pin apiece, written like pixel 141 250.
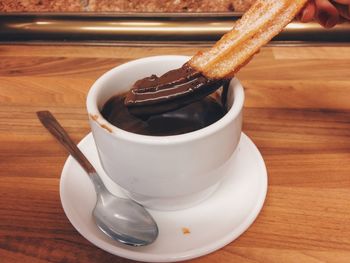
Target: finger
pixel 343 2
pixel 326 14
pixel 308 12
pixel 344 10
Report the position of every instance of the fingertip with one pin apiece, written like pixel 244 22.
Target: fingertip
pixel 331 23
pixel 327 14
pixel 308 13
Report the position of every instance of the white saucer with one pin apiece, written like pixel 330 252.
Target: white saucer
pixel 212 224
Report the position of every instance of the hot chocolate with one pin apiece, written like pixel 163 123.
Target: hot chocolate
pixel 194 116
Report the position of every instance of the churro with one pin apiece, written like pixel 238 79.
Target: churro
pixel 207 70
pixel 264 20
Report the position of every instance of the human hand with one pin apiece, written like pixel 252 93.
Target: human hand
pixel 326 12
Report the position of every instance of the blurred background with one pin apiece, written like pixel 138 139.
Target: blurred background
pixel 124 5
pixel 134 21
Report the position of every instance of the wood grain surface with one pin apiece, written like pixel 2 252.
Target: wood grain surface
pixel 297 111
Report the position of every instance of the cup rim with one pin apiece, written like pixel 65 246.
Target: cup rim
pixel 92 109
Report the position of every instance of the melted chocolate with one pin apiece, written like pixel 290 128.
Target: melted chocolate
pixel 173 90
pixel 189 118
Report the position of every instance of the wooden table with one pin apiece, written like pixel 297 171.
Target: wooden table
pixel 297 111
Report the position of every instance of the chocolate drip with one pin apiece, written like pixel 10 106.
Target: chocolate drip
pixel 174 89
pixel 224 94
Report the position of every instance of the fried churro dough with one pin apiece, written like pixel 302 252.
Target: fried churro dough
pixel 264 20
pixel 206 71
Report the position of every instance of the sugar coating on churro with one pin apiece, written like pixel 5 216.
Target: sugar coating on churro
pixel 264 20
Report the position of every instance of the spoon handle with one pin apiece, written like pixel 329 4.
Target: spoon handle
pixel 52 125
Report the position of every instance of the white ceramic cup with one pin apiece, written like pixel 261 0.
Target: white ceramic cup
pixel 163 172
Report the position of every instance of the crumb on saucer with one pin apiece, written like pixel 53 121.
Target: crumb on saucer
pixel 186 231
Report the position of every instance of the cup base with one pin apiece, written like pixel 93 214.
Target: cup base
pixel 174 203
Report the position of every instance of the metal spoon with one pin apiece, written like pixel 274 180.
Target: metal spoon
pixel 121 219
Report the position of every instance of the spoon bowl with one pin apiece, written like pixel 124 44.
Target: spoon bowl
pixel 124 220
